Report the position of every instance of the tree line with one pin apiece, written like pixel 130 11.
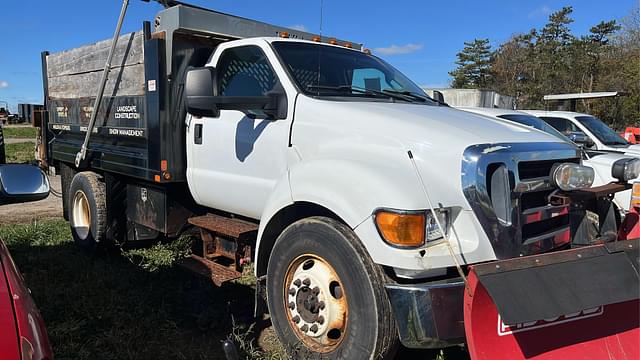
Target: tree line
pixel 552 60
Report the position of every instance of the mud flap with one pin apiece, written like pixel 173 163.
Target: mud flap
pixel 575 304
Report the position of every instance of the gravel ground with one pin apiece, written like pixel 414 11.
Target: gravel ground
pixel 27 212
pixel 18 140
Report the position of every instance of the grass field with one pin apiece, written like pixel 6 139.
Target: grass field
pixel 135 305
pixel 20 152
pixel 22 132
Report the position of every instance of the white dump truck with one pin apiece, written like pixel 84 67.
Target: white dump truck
pixel 361 202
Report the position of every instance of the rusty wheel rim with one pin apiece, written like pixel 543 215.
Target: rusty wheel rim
pixel 315 303
pixel 81 214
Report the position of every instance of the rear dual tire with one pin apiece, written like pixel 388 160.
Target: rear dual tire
pixel 326 296
pixel 87 210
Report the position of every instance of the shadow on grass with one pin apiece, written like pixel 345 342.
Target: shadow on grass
pixel 106 307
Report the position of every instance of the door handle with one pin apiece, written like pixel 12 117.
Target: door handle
pixel 197 134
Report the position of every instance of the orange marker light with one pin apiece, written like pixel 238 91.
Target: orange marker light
pixel 401 229
pixel 284 34
pixel 316 39
pixel 635 195
pixel 348 45
pixel 366 51
pixel 156 178
pixel 333 42
pixel 163 165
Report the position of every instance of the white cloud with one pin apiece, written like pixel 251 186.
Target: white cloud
pixel 543 10
pixel 298 27
pixel 398 49
pixel 3 84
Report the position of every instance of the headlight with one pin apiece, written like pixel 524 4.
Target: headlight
pixel 410 229
pixel 626 169
pixel 568 176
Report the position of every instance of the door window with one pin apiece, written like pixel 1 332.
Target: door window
pixel 563 125
pixel 245 71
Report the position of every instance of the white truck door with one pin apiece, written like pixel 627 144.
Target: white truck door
pixel 235 159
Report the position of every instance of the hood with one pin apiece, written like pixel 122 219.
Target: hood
pixel 437 125
pixel 383 132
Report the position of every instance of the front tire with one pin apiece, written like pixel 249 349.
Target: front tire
pixel 326 297
pixel 87 210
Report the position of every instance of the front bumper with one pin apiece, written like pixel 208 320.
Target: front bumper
pixel 429 315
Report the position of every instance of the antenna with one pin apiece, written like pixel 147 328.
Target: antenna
pixel 320 47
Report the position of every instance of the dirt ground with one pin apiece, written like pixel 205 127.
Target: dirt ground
pixel 27 212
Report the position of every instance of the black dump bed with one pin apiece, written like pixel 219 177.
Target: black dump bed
pixel 139 130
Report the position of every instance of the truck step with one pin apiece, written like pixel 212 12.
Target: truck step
pixel 234 228
pixel 227 246
pixel 218 273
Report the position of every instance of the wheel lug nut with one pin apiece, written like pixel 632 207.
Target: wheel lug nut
pixel 314 328
pixel 292 291
pixel 304 328
pixel 320 319
pixel 315 290
pixel 321 305
pixel 297 282
pixel 292 305
pixel 306 281
pixel 296 319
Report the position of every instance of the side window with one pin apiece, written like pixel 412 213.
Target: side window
pixel 245 71
pixel 563 125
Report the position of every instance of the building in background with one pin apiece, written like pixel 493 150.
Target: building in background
pixel 474 98
pixel 25 112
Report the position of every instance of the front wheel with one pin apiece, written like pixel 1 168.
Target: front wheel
pixel 326 296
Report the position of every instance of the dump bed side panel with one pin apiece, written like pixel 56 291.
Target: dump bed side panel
pixel 120 141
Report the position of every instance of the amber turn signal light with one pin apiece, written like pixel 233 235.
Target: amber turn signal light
pixel 401 229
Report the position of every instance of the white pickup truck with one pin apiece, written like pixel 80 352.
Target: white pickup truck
pixel 359 200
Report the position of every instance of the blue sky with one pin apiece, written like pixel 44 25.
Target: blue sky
pixel 421 38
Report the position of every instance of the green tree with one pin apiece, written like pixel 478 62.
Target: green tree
pixel 473 65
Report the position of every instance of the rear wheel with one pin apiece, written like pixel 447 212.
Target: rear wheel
pixel 87 210
pixel 326 296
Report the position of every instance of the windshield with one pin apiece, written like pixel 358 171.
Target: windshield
pixel 535 122
pixel 322 70
pixel 601 131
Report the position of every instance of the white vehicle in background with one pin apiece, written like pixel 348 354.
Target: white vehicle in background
pixel 601 161
pixel 601 136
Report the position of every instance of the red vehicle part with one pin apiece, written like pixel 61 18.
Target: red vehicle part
pixel 9 340
pixel 554 308
pixel 26 336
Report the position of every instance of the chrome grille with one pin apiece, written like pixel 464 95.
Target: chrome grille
pixel 534 225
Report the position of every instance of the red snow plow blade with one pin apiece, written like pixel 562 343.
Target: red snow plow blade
pixel 574 304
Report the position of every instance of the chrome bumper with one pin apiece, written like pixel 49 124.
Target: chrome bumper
pixel 428 315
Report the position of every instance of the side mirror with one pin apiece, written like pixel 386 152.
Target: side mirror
pixel 581 139
pixel 22 183
pixel 200 89
pixel 438 97
pixel 202 99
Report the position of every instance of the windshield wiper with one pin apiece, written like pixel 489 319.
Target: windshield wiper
pixel 348 88
pixel 423 98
